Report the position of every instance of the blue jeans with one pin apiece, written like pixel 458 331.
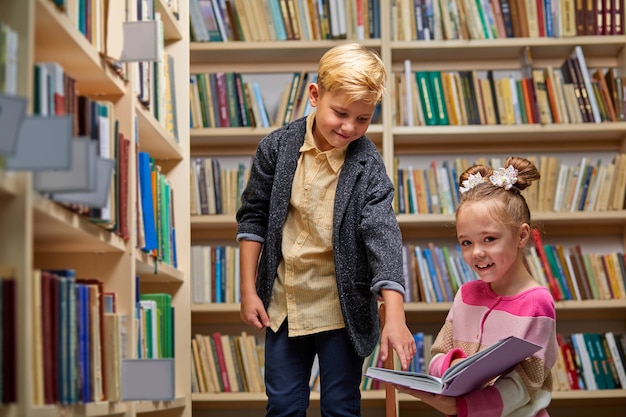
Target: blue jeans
pixel 288 362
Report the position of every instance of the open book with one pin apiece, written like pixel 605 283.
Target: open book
pixel 467 375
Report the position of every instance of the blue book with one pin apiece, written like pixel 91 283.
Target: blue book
pixel 586 182
pixel 147 202
pixel 277 18
pixel 67 343
pixel 84 350
pixel 419 361
pixel 427 190
pixel 547 7
pixel 432 270
pixel 219 276
pixel 441 262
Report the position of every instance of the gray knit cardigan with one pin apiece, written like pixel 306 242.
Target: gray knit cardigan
pixel 367 243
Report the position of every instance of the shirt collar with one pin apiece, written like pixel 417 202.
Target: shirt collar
pixel 335 156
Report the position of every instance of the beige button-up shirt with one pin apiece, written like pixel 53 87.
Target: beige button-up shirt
pixel 306 288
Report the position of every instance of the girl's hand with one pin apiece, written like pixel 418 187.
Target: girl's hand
pixel 441 403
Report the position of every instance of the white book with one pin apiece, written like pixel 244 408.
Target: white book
pixel 424 276
pixel 617 358
pixel 585 361
pixel 408 113
pixel 578 54
pixel 579 179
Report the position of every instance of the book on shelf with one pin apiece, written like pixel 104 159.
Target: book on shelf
pixel 8 346
pixel 465 376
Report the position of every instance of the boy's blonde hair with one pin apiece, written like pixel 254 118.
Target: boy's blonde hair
pixel 353 70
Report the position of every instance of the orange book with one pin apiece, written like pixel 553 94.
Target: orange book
pixel 552 283
pixel 552 95
pixel 527 101
pixel 598 76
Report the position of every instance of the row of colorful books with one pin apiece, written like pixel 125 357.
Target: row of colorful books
pixel 214 274
pixel 55 96
pixel 78 339
pixel 155 215
pixel 465 19
pixel 571 274
pixel 227 363
pixel 529 95
pixel 590 361
pixel 216 190
pixel 228 100
pixel 434 273
pixel 564 187
pixel 281 20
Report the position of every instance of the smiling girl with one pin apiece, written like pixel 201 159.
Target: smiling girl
pixel 493 228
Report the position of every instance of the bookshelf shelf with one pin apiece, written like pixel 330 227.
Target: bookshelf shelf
pixel 265 55
pixel 500 51
pixel 7 184
pixel 156 271
pixel 78 57
pixel 242 141
pixel 172 30
pixel 148 407
pixel 566 399
pixel 213 228
pixel 536 138
pixel 58 229
pixel 160 145
pixel 98 409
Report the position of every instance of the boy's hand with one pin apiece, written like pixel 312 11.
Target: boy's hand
pixel 253 312
pixel 398 336
pixel 395 333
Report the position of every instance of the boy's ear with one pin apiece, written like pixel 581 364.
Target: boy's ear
pixel 314 94
pixel 524 235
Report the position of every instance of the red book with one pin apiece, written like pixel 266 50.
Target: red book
pixel 552 283
pixel 221 94
pixel 221 360
pixel 570 361
pixel 49 339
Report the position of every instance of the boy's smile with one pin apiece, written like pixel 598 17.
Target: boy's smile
pixel 338 122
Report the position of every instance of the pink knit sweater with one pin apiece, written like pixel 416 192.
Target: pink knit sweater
pixel 478 318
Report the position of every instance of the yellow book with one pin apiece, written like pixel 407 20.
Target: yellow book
pixel 600 277
pixel 613 274
pixel 487 98
pixel 543 100
pixel 230 363
pixel 619 190
pixel 198 364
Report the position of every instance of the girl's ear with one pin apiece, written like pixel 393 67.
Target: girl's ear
pixel 524 235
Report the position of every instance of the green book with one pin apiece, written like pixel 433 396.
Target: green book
pixel 426 98
pixel 165 331
pixel 441 111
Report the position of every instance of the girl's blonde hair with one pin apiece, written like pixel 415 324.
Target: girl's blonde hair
pixel 353 70
pixel 509 205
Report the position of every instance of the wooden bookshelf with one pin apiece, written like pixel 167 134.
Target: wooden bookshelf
pixel 423 143
pixel 42 234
